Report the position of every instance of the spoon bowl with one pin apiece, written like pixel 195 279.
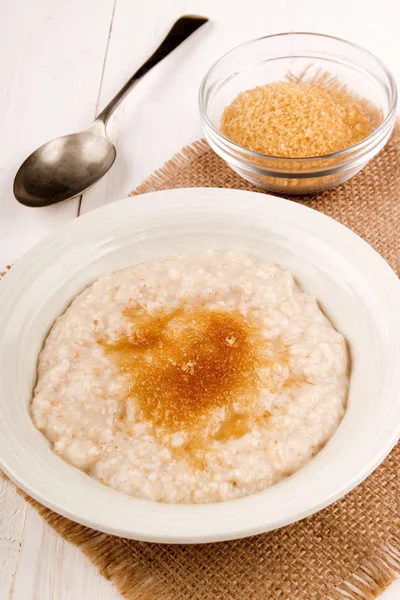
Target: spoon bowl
pixel 65 167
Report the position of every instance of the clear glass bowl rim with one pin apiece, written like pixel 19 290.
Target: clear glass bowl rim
pixel 374 135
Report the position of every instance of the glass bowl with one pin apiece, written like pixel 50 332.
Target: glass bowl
pixel 306 57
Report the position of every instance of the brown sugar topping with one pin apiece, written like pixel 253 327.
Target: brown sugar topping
pixel 182 365
pixel 185 363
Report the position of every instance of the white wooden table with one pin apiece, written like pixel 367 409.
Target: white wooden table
pixel 61 61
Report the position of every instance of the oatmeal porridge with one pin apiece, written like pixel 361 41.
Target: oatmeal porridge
pixel 199 378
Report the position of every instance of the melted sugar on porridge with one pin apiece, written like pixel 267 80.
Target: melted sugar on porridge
pixel 198 378
pixel 197 362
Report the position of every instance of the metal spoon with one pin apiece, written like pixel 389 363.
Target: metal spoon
pixel 69 165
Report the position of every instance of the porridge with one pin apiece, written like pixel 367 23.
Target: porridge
pixel 199 378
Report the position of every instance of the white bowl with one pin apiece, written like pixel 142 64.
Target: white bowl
pixel 355 287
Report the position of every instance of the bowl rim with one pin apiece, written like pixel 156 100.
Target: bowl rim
pixel 374 135
pixel 185 524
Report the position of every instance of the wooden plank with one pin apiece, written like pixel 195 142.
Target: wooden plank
pixel 51 569
pixel 51 60
pixel 12 518
pixel 160 114
pixel 8 566
pixel 12 512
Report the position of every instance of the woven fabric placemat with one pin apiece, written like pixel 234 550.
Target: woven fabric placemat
pixel 348 551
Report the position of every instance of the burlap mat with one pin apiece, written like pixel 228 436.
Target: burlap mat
pixel 350 550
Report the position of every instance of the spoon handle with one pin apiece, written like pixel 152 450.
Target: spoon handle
pixel 180 31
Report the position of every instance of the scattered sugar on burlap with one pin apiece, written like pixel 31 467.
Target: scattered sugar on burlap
pixel 350 550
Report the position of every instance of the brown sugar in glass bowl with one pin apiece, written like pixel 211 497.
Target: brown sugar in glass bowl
pixel 295 120
pixel 297 113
